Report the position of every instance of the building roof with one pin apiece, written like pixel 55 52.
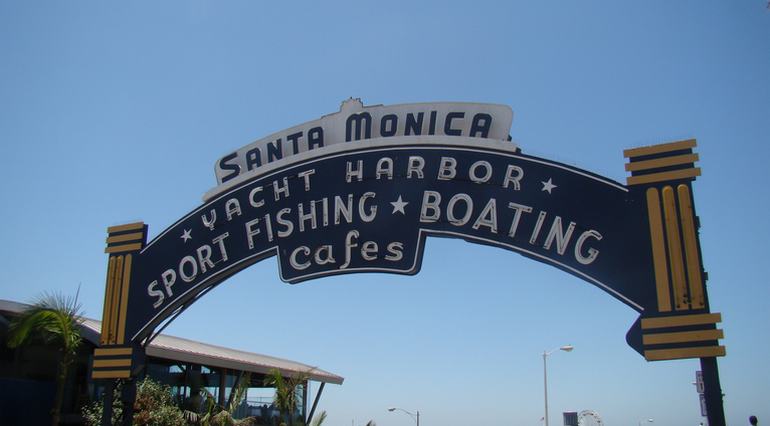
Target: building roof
pixel 185 350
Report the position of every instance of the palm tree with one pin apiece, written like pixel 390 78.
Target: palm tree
pixel 318 421
pixel 215 415
pixel 57 319
pixel 285 391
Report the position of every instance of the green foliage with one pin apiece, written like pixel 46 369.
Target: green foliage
pixel 55 319
pixel 318 421
pixel 154 406
pixel 285 391
pixel 216 415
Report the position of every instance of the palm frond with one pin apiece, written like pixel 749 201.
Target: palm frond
pixel 54 317
pixel 318 421
pixel 239 392
pixel 191 416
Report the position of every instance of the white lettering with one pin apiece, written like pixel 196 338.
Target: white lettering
pixel 205 259
pixel 293 258
pixel 511 178
pixel 209 222
pixel 367 217
pixel 448 169
pixel 328 257
pixel 485 177
pixel 358 173
pixel 430 201
pixel 384 167
pixel 517 210
pixel 416 164
pixel 153 292
pixel 254 202
pixel 349 244
pixel 283 189
pixel 251 231
pixel 302 217
pixel 396 251
pixel 188 260
pixel 592 252
pixel 169 278
pixel 306 177
pixel 369 250
pixel 289 227
pixel 232 207
pixel 562 238
pixel 450 213
pixel 488 217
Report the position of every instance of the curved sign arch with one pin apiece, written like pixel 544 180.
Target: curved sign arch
pixel 360 191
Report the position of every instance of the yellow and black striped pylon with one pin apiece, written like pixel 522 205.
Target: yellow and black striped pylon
pixel 115 358
pixel 682 327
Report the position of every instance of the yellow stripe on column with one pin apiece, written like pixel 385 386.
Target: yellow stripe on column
pixel 682 337
pixel 661 162
pixel 123 248
pixel 674 249
pixel 136 226
pixel 115 306
pixel 698 352
pixel 658 251
pixel 664 176
pixel 102 363
pixel 659 149
pixel 124 300
pixel 106 310
pixel 111 374
pixel 112 351
pixel 697 298
pixel 135 236
pixel 681 321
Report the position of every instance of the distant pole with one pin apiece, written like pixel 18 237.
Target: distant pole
pixel 415 417
pixel 545 386
pixel 565 348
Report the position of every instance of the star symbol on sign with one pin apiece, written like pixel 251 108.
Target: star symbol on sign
pixel 186 235
pixel 398 206
pixel 548 185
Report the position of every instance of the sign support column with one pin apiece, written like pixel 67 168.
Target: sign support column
pixel 712 391
pixel 683 326
pixel 117 357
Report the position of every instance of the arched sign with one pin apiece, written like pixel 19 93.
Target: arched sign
pixel 361 189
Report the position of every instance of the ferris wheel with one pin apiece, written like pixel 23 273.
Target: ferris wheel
pixel 589 418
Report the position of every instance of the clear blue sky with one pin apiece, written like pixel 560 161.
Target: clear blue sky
pixel 145 96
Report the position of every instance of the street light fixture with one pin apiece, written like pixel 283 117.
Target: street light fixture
pixel 649 420
pixel 415 417
pixel 565 348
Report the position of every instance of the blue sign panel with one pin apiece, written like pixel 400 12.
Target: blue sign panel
pixel 370 210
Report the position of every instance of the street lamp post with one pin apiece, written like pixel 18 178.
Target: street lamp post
pixel 565 348
pixel 415 417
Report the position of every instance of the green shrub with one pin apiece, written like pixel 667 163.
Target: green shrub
pixel 154 406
